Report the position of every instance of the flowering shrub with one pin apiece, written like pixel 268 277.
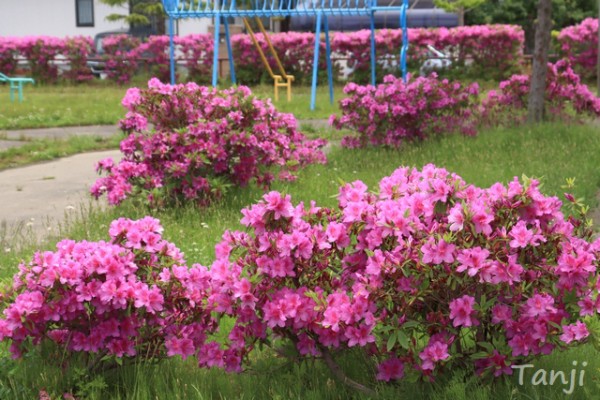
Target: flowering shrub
pixel 197 51
pixel 566 97
pixel 394 111
pixel 491 49
pixel 155 51
pixel 40 51
pixel 76 50
pixel 8 61
pixel 120 56
pixel 428 274
pixel 579 43
pixel 131 296
pixel 44 53
pixel 202 138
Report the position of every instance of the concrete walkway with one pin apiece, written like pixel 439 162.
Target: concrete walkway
pixel 14 138
pixel 35 200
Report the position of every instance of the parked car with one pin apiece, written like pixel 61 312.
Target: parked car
pixel 416 17
pixel 96 61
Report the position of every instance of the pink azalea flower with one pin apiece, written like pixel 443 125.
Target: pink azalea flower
pixel 472 260
pixel 390 369
pixel 574 332
pixel 462 312
pixel 435 351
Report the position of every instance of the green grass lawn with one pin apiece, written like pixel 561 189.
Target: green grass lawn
pixel 99 103
pixel 552 152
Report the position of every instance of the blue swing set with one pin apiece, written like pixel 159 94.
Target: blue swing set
pixel 221 10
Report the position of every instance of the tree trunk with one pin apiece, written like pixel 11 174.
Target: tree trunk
pixel 461 15
pixel 598 60
pixel 537 88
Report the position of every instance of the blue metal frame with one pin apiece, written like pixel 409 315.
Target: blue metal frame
pixel 223 9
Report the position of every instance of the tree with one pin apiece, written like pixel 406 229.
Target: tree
pixel 540 61
pixel 459 6
pixel 142 15
pixel 523 13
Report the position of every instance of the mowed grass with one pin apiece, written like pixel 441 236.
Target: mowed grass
pixel 62 105
pixel 552 152
pixel 99 103
pixel 41 150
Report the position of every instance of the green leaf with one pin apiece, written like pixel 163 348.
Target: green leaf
pixel 410 324
pixel 391 342
pixel 486 345
pixel 403 339
pixel 479 355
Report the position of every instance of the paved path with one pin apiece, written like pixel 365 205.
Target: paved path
pixel 13 138
pixel 37 199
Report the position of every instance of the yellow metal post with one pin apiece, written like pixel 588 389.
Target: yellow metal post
pixel 277 79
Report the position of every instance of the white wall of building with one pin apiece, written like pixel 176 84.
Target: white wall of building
pixel 51 18
pixel 192 26
pixel 58 18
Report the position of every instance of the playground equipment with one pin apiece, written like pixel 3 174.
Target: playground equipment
pixel 221 10
pixel 283 80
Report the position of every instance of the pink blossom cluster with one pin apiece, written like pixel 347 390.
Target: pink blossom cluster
pixel 197 52
pixel 133 296
pixel 188 143
pixel 126 55
pixel 491 49
pixel 121 57
pixel 43 53
pixel 8 56
pixel 566 97
pixel 393 112
pixel 155 51
pixel 77 51
pixel 426 274
pixel 579 43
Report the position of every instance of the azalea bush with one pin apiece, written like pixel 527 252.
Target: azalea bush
pixel 579 43
pixel 566 97
pixel 393 112
pixel 76 50
pixel 132 296
pixel 8 56
pixel 197 51
pixel 189 142
pixel 120 57
pixel 43 54
pixel 493 50
pixel 426 274
pixel 40 51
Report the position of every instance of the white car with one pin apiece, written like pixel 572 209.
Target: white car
pixel 436 60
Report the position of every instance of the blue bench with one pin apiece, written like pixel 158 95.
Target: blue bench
pixel 16 85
